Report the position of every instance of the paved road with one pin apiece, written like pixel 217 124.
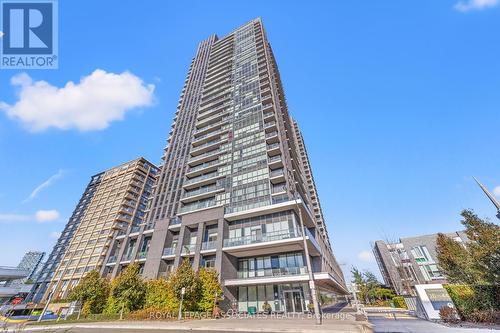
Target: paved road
pixel 416 325
pixel 338 307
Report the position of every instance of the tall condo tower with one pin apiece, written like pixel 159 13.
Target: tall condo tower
pixel 236 185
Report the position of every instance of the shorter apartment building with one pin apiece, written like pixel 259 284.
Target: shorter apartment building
pixel 411 261
pixel 112 205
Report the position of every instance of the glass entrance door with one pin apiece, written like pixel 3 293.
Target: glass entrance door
pixel 293 301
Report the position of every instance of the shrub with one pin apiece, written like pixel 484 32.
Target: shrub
pixel 480 303
pixel 448 314
pixel 91 292
pixel 185 277
pixel 485 316
pixel 160 295
pixel 211 290
pixel 127 291
pixel 399 302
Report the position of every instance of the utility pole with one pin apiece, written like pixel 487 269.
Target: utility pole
pixel 183 291
pixel 312 284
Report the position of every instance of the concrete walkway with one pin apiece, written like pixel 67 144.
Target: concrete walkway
pixel 294 325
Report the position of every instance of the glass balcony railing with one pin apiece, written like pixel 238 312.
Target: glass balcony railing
pixel 135 228
pixel 188 249
pixel 210 143
pixel 197 205
pixel 266 237
pixel 272 272
pixel 272 146
pixel 312 238
pixel 270 135
pixel 276 173
pixel 202 190
pixel 176 220
pixel 219 131
pixel 278 189
pixel 168 251
pixel 112 259
pixel 208 245
pixel 208 153
pixel 273 159
pixel 200 178
pixel 203 166
pixel 142 255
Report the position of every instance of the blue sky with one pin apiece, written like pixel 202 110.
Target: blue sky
pixel 398 102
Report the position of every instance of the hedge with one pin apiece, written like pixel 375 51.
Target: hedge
pixel 479 303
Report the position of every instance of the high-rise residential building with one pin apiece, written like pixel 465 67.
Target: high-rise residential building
pixel 411 261
pixel 49 267
pixel 236 184
pixel 31 262
pixel 112 206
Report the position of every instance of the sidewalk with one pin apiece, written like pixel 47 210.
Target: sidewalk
pixel 237 325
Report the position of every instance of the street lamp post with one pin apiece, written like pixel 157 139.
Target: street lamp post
pixel 312 284
pixel 183 291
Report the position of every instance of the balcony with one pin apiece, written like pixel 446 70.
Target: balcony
pixel 266 237
pixel 273 149
pixel 142 255
pixel 272 137
pixel 210 135
pixel 197 206
pixel 211 245
pixel 208 156
pixel 168 251
pixel 209 128
pixel 202 192
pixel 204 167
pixel 111 259
pixel 195 151
pixel 188 249
pixel 265 244
pixel 277 176
pixel 212 116
pixel 208 112
pixel 275 162
pixel 203 180
pixel 272 272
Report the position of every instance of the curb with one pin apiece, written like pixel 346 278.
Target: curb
pixel 360 328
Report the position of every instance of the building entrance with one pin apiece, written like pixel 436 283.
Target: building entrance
pixel 294 302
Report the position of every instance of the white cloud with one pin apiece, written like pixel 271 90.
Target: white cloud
pixel 55 234
pixel 496 191
pixel 6 218
pixel 468 5
pixel 366 256
pixel 46 215
pixel 43 185
pixel 92 104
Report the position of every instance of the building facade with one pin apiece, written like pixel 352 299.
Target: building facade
pixel 31 262
pixel 47 272
pixel 411 261
pixel 236 185
pixel 112 206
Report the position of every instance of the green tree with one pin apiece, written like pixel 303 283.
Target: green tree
pixel 127 291
pixel 367 286
pixel 211 290
pixel 92 292
pixel 185 277
pixel 479 261
pixel 361 288
pixel 161 295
